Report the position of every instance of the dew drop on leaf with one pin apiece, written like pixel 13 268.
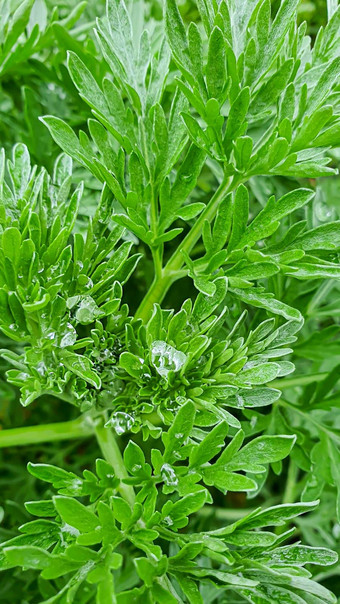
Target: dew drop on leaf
pixel 121 422
pixel 169 475
pixel 166 358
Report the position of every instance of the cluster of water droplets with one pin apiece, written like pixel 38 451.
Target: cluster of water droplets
pixel 86 309
pixel 166 358
pixel 69 336
pixel 168 475
pixel 121 422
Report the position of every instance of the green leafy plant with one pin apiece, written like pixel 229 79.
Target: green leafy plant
pixel 168 302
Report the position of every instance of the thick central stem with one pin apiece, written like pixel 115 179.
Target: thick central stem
pixel 32 435
pixel 170 272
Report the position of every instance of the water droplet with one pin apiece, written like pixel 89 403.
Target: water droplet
pixel 253 421
pixel 179 435
pixel 69 337
pixel 41 368
pixel 169 475
pixel 77 486
pixel 239 401
pixel 166 358
pixel 168 521
pixel 121 422
pixel 23 376
pixel 181 400
pixel 136 467
pixel 87 311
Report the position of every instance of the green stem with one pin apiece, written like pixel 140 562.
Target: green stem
pixel 112 454
pixel 299 380
pixel 170 272
pixel 32 435
pixel 289 494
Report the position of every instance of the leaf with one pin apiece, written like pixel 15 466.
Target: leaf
pixel 227 481
pixel 256 397
pixel 63 135
pixel 261 299
pixel 27 556
pixel 323 237
pixel 176 33
pixel 278 515
pixel 240 216
pixel 11 241
pixel 282 21
pixel 76 514
pixel 260 374
pixel 187 505
pixel 216 75
pixel 324 85
pixel 236 124
pixel 204 306
pixel 210 445
pixel 86 84
pixel 261 451
pixel 267 221
pixel 81 366
pixel 58 477
pixel 303 554
pixel 190 211
pixel 180 430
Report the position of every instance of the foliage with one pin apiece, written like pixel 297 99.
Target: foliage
pixel 169 296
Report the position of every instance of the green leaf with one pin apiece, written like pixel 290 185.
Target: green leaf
pixel 261 451
pixel 63 135
pixel 187 505
pixel 27 556
pixel 267 221
pixel 216 74
pixel 227 481
pixel 11 241
pixel 303 554
pixel 210 445
pixel 236 124
pixel 76 514
pixel 179 430
pixel 262 299
pixel 81 366
pixel 240 216
pixel 323 237
pixel 86 84
pixel 176 33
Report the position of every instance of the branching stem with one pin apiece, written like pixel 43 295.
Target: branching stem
pixel 32 435
pixel 169 274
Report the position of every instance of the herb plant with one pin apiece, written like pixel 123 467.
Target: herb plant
pixel 169 303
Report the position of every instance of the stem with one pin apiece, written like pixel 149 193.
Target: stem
pixel 319 296
pixel 112 454
pixel 289 494
pixel 169 274
pixel 299 380
pixel 32 435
